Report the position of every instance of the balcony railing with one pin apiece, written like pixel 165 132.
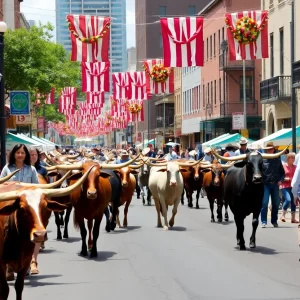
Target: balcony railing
pixel 274 89
pixel 225 64
pixel 169 122
pixel 296 73
pixel 226 109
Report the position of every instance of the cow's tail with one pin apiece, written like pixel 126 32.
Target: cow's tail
pixel 76 224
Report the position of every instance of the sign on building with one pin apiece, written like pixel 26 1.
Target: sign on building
pixel 238 121
pixel 19 103
pixel 23 120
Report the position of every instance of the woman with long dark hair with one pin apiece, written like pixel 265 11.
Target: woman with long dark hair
pixel 36 162
pixel 19 158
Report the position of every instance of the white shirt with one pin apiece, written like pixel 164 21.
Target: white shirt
pixel 296 181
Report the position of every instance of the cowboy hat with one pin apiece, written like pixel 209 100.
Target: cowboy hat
pixel 124 153
pixel 243 141
pixel 207 150
pixel 146 151
pixel 231 146
pixel 269 145
pixel 193 153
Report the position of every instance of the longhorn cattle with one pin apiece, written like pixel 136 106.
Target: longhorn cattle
pixel 244 190
pixel 166 186
pixel 21 226
pixel 91 200
pixel 143 181
pixel 193 180
pixel 213 183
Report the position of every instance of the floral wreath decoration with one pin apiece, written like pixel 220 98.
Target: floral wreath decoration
pixel 159 73
pixel 246 29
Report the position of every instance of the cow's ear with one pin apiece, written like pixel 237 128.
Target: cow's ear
pixel 182 170
pixel 52 174
pixel 10 208
pixel 56 206
pixel 162 170
pixel 75 176
pixel 240 164
pixel 134 172
pixel 104 175
pixel 117 172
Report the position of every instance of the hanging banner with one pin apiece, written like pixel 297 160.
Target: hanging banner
pixel 238 121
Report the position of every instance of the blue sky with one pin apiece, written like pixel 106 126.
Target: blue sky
pixel 44 11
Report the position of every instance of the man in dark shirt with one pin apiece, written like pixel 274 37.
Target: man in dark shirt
pixel 273 173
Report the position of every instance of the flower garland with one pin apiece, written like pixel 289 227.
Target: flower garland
pixel 246 29
pixel 159 73
pixel 134 108
pixel 87 40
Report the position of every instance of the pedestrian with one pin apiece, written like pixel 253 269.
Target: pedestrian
pixel 172 154
pixel 286 188
pixel 208 155
pixel 273 173
pixel 19 158
pixel 243 147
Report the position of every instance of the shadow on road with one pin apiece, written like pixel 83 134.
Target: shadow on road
pixel 264 250
pixel 70 240
pixel 47 250
pixel 126 229
pixel 102 256
pixel 226 223
pixel 33 280
pixel 178 228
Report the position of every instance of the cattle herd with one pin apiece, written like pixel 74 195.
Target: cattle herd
pixel 95 189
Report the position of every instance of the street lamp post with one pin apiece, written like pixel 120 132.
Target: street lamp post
pixel 3 28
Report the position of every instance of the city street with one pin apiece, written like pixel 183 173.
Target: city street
pixel 196 260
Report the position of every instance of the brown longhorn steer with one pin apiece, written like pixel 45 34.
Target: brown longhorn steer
pixel 21 226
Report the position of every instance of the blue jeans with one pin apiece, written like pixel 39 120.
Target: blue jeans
pixel 273 190
pixel 288 199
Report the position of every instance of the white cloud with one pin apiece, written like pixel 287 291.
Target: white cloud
pixel 44 11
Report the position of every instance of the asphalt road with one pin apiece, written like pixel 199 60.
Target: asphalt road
pixel 196 260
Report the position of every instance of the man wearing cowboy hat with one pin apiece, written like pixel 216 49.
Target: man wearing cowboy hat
pixel 273 173
pixel 208 155
pixel 243 147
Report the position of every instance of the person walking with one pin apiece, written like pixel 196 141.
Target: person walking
pixel 273 173
pixel 19 158
pixel 243 147
pixel 286 188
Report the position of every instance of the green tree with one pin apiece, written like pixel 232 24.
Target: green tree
pixel 33 62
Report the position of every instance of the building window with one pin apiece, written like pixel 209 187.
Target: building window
pixel 162 10
pixel 281 41
pixel 249 88
pixel 203 95
pixel 199 97
pixel 192 10
pixel 207 49
pixel 220 90
pixel 215 44
pixel 212 92
pixel 208 99
pixel 223 33
pixel 286 123
pixel 271 55
pixel 219 40
pixel 211 46
pixel 215 91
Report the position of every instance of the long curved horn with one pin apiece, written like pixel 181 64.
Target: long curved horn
pixel 117 166
pixel 156 165
pixel 226 166
pixel 135 166
pixel 68 190
pixel 48 185
pixel 2 180
pixel 52 168
pixel 8 196
pixel 189 164
pixel 275 155
pixel 47 164
pixel 206 166
pixel 70 167
pixel 233 158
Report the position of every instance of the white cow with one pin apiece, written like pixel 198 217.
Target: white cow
pixel 166 186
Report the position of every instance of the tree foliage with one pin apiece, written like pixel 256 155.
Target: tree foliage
pixel 33 62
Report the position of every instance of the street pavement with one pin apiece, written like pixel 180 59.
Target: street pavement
pixel 196 260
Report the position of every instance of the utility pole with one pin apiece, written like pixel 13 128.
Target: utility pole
pixel 293 100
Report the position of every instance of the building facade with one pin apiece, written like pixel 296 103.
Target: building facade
pixel 149 41
pixel 10 13
pixel 177 104
pixel 221 80
pixel 116 9
pixel 275 87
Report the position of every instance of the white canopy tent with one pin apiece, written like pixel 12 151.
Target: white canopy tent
pixel 219 138
pixel 268 138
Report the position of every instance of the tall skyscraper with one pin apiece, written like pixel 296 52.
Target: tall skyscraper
pixel 116 9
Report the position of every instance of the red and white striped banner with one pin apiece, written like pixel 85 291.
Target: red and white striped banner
pixel 90 38
pixel 95 77
pixel 67 101
pixel 257 49
pixel 120 85
pixel 136 117
pixel 95 98
pixel 157 88
pixel 137 89
pixel 49 98
pixel 182 41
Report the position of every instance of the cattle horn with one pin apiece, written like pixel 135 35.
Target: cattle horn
pixel 52 168
pixel 48 185
pixel 48 157
pixel 206 166
pixel 2 180
pixel 8 196
pixel 156 165
pixel 190 164
pixel 118 166
pixel 233 158
pixel 135 166
pixel 68 190
pixel 73 156
pixel 70 167
pixel 275 155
